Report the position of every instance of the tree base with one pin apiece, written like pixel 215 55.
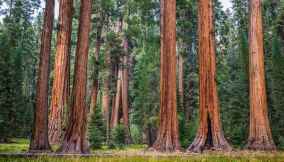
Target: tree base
pixel 200 144
pixel 260 145
pixel 40 151
pixel 164 146
pixel 73 147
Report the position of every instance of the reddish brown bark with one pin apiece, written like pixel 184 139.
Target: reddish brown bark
pixel 61 73
pixel 210 134
pixel 95 88
pixel 39 140
pixel 106 93
pixel 180 82
pixel 75 138
pixel 124 93
pixel 115 111
pixel 260 137
pixel 168 134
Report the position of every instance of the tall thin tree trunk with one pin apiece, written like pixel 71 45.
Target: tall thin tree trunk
pixel 210 134
pixel 61 73
pixel 168 135
pixel 95 88
pixel 180 82
pixel 260 137
pixel 118 96
pixel 75 138
pixel 39 140
pixel 106 93
pixel 124 92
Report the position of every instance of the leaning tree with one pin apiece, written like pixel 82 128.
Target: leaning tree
pixel 168 135
pixel 39 140
pixel 260 137
pixel 75 140
pixel 210 134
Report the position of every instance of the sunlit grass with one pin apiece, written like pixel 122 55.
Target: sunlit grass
pixel 138 153
pixel 147 159
pixel 15 146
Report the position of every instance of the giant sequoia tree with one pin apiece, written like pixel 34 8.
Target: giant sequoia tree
pixel 75 137
pixel 39 140
pixel 260 137
pixel 60 89
pixel 210 134
pixel 168 135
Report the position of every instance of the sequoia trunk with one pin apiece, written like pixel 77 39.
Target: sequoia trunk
pixel 39 140
pixel 209 134
pixel 124 92
pixel 260 137
pixel 61 73
pixel 168 134
pixel 75 138
pixel 106 93
pixel 117 101
pixel 95 88
pixel 180 83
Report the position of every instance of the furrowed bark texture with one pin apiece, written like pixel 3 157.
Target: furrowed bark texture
pixel 60 89
pixel 168 134
pixel 210 134
pixel 260 137
pixel 39 140
pixel 75 141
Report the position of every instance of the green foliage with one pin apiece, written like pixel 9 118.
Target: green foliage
pixel 136 134
pixel 118 135
pixel 19 45
pixel 97 130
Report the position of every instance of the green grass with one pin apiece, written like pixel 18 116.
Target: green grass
pixel 16 146
pixel 136 153
pixel 148 159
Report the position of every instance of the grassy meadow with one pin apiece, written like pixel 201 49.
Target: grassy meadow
pixel 13 152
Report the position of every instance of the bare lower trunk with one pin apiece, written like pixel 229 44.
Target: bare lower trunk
pixel 95 88
pixel 61 73
pixel 210 134
pixel 75 138
pixel 180 82
pixel 115 110
pixel 39 140
pixel 260 137
pixel 106 94
pixel 168 134
pixel 124 91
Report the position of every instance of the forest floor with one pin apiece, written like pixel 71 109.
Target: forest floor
pixel 16 152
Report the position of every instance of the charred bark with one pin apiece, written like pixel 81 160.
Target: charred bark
pixel 168 134
pixel 260 137
pixel 75 141
pixel 60 89
pixel 39 140
pixel 210 134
